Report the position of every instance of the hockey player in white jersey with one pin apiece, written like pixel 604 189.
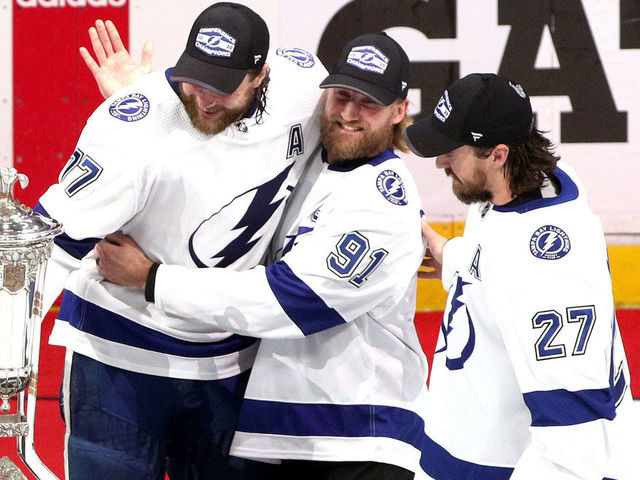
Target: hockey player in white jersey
pixel 196 167
pixel 339 383
pixel 530 379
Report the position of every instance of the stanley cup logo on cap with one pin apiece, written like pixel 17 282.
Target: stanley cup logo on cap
pixel 215 42
pixel 368 58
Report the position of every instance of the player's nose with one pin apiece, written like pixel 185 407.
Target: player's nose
pixel 442 161
pixel 351 112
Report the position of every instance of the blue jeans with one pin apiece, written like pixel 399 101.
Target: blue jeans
pixel 131 426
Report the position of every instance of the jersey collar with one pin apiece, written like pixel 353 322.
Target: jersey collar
pixel 568 191
pixel 358 162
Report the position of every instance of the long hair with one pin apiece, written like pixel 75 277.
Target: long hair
pixel 261 92
pixel 398 142
pixel 528 164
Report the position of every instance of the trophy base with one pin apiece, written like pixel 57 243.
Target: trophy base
pixel 9 470
pixel 13 425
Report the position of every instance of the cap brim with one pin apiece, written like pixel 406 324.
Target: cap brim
pixel 425 141
pixel 375 92
pixel 220 80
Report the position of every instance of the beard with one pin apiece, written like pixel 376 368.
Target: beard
pixel 472 192
pixel 345 147
pixel 217 125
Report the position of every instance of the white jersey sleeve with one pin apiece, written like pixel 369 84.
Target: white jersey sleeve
pixel 356 256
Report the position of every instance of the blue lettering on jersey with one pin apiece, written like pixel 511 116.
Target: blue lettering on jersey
pixel 474 269
pixel 86 170
pixel 299 56
pixel 391 187
pixel 457 329
pixel 296 141
pixel 130 108
pixel 261 208
pixel 549 243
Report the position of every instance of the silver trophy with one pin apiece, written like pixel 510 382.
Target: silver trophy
pixel 26 242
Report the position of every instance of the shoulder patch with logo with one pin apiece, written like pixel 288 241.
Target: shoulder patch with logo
pixel 130 108
pixel 299 56
pixel 391 187
pixel 549 243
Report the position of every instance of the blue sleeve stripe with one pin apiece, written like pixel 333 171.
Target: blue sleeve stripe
pixel 561 407
pixel 303 306
pixel 352 421
pixel 90 318
pixel 76 248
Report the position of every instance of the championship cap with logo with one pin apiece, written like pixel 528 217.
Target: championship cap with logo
pixel 373 65
pixel 226 40
pixel 481 109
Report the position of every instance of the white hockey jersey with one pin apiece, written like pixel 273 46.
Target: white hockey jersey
pixel 530 379
pixel 186 198
pixel 340 374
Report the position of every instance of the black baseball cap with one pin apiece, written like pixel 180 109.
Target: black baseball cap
pixel 481 109
pixel 374 65
pixel 225 41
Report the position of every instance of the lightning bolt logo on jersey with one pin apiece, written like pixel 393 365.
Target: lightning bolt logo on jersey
pixel 457 329
pixel 259 205
pixel 550 243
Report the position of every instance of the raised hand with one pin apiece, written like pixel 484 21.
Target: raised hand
pixel 114 67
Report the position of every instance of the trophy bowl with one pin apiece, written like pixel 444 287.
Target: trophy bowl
pixel 26 243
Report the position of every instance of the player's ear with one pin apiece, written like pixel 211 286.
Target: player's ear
pixel 500 154
pixel 260 77
pixel 400 110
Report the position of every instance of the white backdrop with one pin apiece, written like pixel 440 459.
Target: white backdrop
pixel 609 170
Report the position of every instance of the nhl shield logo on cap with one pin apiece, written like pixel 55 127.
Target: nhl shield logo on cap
pixel 368 58
pixel 215 42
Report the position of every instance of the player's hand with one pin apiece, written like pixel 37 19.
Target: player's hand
pixel 120 260
pixel 433 256
pixel 114 67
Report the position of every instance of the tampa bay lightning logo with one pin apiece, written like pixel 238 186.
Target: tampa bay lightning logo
pixel 215 42
pixel 368 58
pixel 549 243
pixel 299 56
pixel 131 108
pixel 391 187
pixel 254 209
pixel 457 329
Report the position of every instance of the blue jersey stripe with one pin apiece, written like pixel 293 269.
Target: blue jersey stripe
pixel 303 306
pixel 98 321
pixel 440 464
pixel 350 421
pixel 76 248
pixel 562 407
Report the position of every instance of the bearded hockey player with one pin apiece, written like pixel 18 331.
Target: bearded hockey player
pixel 195 165
pixel 530 378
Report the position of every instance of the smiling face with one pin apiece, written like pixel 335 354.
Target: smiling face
pixel 355 126
pixel 212 113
